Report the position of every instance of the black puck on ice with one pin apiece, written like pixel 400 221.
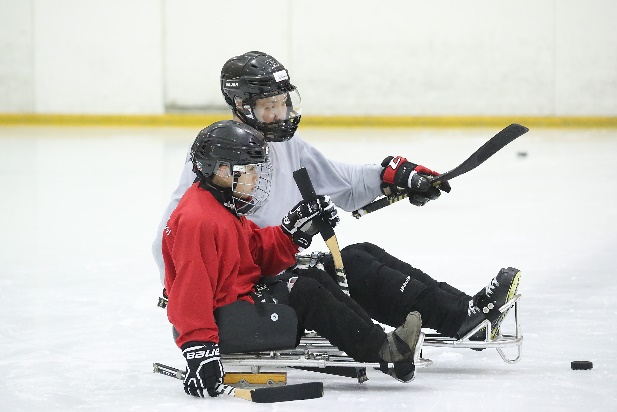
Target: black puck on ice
pixel 521 154
pixel 581 365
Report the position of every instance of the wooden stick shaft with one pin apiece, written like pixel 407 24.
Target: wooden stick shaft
pixel 333 246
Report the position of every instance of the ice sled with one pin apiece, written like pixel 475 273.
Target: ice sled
pixel 259 342
pixel 254 338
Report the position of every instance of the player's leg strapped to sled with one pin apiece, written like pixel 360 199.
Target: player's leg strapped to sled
pixel 387 287
pixel 271 333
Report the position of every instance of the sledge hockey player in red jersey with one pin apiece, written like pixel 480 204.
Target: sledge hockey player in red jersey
pixel 259 92
pixel 214 257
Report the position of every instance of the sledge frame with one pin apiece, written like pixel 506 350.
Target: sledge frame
pixel 501 342
pixel 316 354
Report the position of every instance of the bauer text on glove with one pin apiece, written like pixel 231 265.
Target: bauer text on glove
pixel 203 368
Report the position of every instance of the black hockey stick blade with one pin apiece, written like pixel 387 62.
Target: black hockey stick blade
pixel 297 392
pixel 488 149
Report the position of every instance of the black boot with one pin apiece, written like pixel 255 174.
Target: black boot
pixel 399 349
pixel 474 318
pixel 486 303
pixel 509 277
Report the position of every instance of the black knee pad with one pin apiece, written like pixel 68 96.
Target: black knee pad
pixel 367 247
pixel 314 273
pixel 305 297
pixel 325 278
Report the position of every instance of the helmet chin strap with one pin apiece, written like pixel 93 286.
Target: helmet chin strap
pixel 222 194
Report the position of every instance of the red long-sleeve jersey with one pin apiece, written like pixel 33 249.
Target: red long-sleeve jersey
pixel 213 258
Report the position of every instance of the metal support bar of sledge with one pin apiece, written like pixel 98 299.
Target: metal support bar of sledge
pixel 312 352
pixel 503 341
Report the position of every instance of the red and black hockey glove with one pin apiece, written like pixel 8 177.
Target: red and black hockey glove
pixel 203 368
pixel 415 179
pixel 299 222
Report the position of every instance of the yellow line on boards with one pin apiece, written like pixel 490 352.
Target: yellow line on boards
pixel 202 120
pixel 166 120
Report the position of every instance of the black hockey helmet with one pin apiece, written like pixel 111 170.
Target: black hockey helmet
pixel 241 148
pixel 255 84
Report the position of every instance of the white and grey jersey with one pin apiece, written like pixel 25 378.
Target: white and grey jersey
pixel 349 186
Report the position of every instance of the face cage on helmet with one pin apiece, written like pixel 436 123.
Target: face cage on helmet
pixel 247 203
pixel 275 131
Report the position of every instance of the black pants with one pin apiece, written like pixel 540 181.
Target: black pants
pixel 388 289
pixel 321 306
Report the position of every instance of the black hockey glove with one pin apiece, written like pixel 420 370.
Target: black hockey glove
pixel 415 179
pixel 203 368
pixel 422 198
pixel 300 221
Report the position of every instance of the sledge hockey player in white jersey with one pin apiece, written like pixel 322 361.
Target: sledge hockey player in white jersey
pixel 259 92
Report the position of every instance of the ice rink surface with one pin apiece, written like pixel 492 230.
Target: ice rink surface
pixel 80 329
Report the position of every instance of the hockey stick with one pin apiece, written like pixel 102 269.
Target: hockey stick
pixel 310 390
pixel 305 186
pixel 492 146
